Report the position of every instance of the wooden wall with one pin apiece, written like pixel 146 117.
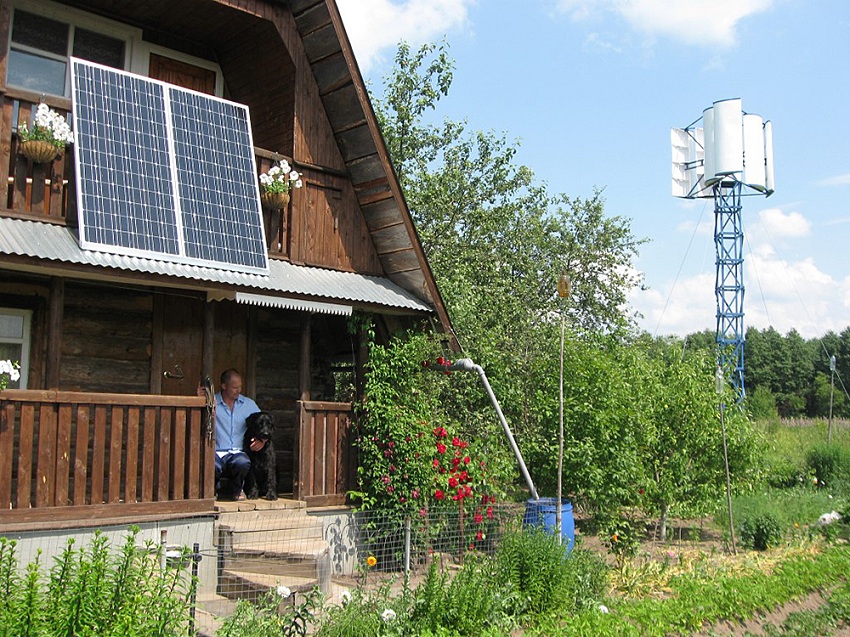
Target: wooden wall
pixel 106 340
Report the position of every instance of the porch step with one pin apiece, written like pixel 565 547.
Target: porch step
pixel 282 547
pixel 261 548
pixel 237 585
pixel 271 520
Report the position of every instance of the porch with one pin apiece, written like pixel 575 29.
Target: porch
pixel 71 459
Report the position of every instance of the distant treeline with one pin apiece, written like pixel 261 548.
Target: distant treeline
pixel 790 376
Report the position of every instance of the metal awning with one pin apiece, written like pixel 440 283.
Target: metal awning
pixel 314 307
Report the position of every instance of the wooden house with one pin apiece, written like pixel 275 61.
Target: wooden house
pixel 105 423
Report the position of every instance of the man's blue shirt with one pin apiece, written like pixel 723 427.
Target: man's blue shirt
pixel 230 425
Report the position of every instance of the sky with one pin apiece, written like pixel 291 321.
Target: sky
pixel 589 90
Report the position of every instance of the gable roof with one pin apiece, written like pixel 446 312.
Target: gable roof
pixel 352 118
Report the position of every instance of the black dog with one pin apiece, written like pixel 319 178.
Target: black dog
pixel 261 478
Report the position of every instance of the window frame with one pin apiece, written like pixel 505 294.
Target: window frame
pixel 137 52
pixel 24 341
pixel 74 18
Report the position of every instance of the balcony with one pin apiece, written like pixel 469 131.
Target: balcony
pixel 46 192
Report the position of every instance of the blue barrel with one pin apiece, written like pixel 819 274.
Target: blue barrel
pixel 543 513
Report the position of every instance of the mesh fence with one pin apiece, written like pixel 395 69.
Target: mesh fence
pixel 338 550
pixel 253 548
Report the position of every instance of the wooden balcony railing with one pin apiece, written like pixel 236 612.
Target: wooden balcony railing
pixel 325 471
pixel 73 456
pixel 46 192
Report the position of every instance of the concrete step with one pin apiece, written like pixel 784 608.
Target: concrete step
pixel 284 549
pixel 269 520
pixel 269 540
pixel 235 585
pixel 259 505
pixel 267 566
pixel 261 546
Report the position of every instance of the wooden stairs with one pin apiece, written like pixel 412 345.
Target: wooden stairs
pixel 262 545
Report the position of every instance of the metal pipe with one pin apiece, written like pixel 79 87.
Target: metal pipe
pixel 407 551
pixel 466 365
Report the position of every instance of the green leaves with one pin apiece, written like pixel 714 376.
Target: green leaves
pixel 94 591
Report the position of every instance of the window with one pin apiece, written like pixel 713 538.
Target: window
pixel 40 47
pixel 15 341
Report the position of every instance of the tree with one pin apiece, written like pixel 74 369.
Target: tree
pixel 497 242
pixel 495 238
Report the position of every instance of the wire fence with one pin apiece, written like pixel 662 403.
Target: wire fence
pixel 338 549
pixel 242 554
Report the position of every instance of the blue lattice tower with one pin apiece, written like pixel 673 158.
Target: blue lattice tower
pixel 729 282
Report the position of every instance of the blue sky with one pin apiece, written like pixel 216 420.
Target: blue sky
pixel 590 90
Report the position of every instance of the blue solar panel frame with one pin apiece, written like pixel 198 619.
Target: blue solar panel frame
pixel 164 172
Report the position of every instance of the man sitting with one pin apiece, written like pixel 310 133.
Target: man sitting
pixel 231 410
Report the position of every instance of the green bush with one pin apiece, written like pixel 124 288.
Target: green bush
pixel 544 577
pixel 830 464
pixel 468 604
pixel 361 615
pixel 761 531
pixel 271 615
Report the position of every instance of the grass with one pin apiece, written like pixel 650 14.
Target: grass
pixel 715 592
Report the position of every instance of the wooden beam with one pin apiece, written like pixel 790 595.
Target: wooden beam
pixel 251 355
pixel 209 337
pixel 94 398
pixel 306 361
pixel 55 312
pixel 100 515
pixel 156 343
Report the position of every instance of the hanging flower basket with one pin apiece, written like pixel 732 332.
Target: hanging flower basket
pixel 274 200
pixel 39 151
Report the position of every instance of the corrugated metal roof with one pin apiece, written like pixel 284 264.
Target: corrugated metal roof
pixel 58 243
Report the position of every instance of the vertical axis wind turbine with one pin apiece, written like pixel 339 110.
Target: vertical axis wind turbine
pixel 729 156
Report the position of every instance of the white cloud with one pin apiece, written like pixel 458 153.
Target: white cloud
pixel 704 22
pixel 781 225
pixel 374 26
pixel 594 41
pixel 837 180
pixel 783 294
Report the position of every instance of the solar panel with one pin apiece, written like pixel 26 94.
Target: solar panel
pixel 164 172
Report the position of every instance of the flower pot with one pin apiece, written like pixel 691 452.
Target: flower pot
pixel 39 151
pixel 274 200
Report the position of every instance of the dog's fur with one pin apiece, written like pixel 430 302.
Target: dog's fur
pixel 261 478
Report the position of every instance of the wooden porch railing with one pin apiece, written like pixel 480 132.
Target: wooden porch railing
pixel 46 192
pixel 326 460
pixel 75 456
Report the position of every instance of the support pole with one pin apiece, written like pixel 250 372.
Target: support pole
pixel 831 394
pixel 558 515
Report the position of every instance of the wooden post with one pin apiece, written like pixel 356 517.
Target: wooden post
pixel 300 455
pixel 251 354
pixel 209 334
pixel 305 364
pixel 156 344
pixel 55 312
